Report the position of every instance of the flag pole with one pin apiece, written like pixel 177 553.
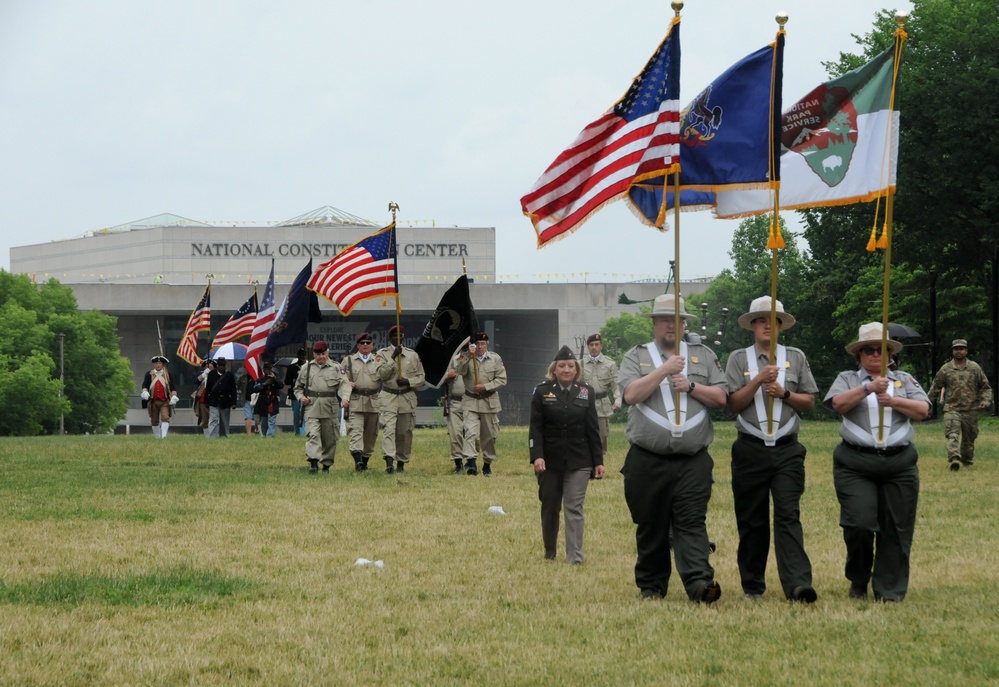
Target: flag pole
pixel 394 208
pixel 886 236
pixel 677 5
pixel 775 241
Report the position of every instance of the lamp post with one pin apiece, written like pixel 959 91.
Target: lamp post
pixel 62 382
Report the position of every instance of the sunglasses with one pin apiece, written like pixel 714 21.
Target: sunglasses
pixel 363 343
pixel 870 350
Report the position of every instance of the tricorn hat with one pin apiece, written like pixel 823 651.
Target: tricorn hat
pixel 760 307
pixel 159 359
pixel 870 335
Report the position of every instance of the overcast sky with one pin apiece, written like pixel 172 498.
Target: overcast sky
pixel 246 111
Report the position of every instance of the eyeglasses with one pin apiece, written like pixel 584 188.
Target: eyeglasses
pixel 363 343
pixel 870 350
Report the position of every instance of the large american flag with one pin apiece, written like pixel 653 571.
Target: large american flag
pixel 240 324
pixel 638 138
pixel 366 269
pixel 262 327
pixel 200 321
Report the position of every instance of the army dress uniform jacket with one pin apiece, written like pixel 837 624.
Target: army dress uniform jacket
pixel 367 383
pixel 564 428
pixel 602 376
pixel 491 374
pixel 325 386
pixel 402 400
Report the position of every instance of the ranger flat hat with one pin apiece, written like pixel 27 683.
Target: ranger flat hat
pixel 760 307
pixel 665 306
pixel 159 359
pixel 870 335
pixel 959 343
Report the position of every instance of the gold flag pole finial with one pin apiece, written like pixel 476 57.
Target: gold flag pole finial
pixel 393 208
pixel 677 5
pixel 781 19
pixel 901 16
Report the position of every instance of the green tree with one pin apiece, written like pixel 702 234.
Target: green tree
pixel 750 278
pixel 97 378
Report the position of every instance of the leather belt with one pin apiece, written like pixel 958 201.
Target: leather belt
pixel 366 392
pixel 322 394
pixel 786 439
pixel 485 394
pixel 600 394
pixel 886 451
pixel 397 392
pixel 455 398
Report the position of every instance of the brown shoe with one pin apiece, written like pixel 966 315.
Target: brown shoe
pixel 707 592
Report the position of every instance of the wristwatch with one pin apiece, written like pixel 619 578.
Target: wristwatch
pixel 691 389
pixel 787 394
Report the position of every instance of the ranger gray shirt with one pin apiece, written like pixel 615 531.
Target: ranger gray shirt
pixel 859 421
pixel 797 377
pixel 648 427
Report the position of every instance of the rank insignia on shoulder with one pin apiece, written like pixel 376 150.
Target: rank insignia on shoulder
pixel 694 359
pixel 584 393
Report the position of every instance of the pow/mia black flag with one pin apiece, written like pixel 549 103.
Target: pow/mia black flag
pixel 449 329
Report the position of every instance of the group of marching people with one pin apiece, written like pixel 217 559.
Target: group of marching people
pixel 668 385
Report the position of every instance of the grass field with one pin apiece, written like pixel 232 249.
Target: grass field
pixel 131 561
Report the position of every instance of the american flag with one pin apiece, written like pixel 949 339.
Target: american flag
pixel 258 341
pixel 365 270
pixel 638 138
pixel 240 324
pixel 200 321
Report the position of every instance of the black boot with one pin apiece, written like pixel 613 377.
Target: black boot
pixel 400 466
pixel 358 461
pixel 388 465
pixel 326 468
pixel 470 468
pixel 487 469
pixel 457 466
pixel 364 460
pixel 313 465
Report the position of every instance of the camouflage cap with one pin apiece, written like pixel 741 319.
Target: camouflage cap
pixel 959 343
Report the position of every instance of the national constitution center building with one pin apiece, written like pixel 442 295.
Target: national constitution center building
pixel 150 275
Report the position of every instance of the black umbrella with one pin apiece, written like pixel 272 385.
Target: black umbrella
pixel 901 331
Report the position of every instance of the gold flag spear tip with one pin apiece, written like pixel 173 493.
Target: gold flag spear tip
pixel 677 5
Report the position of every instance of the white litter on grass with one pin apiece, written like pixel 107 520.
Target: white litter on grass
pixel 497 509
pixel 365 561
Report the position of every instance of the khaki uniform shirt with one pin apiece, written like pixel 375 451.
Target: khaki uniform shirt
pixel 388 371
pixel 365 377
pixel 328 380
pixel 602 376
pixel 491 374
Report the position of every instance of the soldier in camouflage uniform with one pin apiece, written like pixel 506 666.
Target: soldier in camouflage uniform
pixel 966 390
pixel 600 372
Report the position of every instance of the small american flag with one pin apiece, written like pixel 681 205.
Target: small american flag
pixel 200 321
pixel 262 327
pixel 366 269
pixel 240 324
pixel 638 138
